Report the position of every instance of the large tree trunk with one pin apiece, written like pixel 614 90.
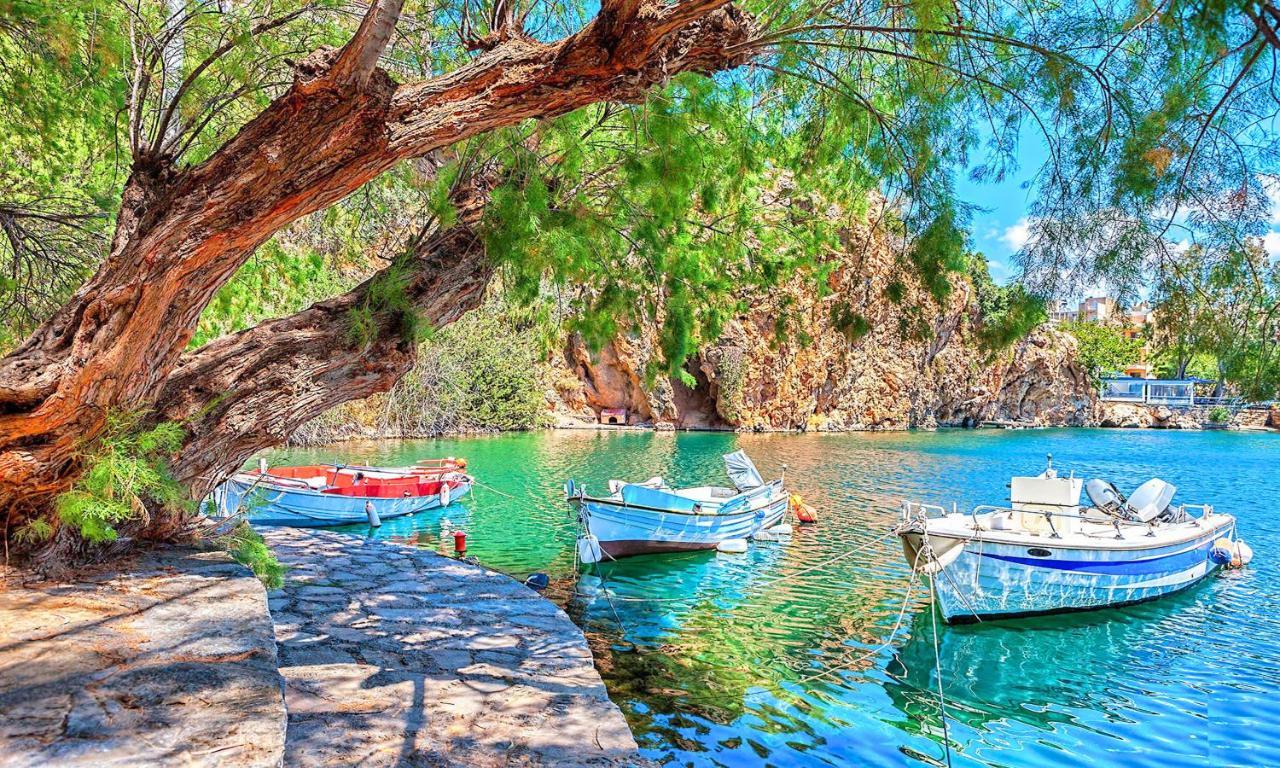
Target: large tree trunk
pixel 182 233
pixel 251 390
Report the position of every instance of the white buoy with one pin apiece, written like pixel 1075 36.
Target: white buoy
pixel 776 533
pixel 1244 552
pixel 732 546
pixel 444 494
pixel 372 514
pixel 589 550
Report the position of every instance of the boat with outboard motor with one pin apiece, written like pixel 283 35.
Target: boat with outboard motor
pixel 337 494
pixel 1046 553
pixel 648 517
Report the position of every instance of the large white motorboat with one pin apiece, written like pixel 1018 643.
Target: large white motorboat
pixel 1046 553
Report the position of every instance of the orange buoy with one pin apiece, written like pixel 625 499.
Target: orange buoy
pixel 803 512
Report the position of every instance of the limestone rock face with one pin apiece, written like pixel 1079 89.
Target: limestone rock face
pixel 1125 415
pixel 914 363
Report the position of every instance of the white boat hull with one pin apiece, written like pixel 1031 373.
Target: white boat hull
pixel 303 508
pixel 622 531
pixel 981 579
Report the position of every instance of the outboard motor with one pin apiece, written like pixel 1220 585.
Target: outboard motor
pixel 1106 497
pixel 1151 499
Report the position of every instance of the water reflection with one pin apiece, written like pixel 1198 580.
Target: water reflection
pixel 786 655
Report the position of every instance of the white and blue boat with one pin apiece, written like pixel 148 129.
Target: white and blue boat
pixel 325 495
pixel 650 518
pixel 1046 553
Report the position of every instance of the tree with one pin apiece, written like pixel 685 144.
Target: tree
pixel 281 110
pixel 1224 307
pixel 1186 320
pixel 1103 349
pixel 1195 165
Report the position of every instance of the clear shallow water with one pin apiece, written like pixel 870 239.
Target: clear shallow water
pixel 756 659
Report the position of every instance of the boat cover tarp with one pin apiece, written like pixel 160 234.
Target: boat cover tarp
pixel 743 473
pixel 641 496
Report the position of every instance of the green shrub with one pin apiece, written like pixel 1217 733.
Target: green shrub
pixel 1103 349
pixel 484 373
pixel 248 548
pixel 125 470
pixel 1219 415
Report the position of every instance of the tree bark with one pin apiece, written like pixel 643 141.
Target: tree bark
pixel 182 233
pixel 251 390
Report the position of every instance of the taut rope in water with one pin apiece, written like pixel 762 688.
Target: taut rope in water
pixel 937 668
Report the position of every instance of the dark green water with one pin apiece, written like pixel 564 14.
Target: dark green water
pixel 759 659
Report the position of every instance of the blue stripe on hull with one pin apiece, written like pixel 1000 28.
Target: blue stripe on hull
pixel 1175 560
pixel 998 580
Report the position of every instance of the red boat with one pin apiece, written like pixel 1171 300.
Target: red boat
pixel 335 494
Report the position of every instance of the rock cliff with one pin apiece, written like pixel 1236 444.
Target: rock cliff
pixel 911 363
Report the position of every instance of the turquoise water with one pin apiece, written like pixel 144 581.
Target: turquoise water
pixel 779 657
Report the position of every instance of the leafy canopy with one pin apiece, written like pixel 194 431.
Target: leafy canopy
pixel 1103 349
pixel 669 210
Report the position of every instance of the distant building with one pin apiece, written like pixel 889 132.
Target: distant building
pixel 1137 318
pixel 1097 309
pixel 1061 312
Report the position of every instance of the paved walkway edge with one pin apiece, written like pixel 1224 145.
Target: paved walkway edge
pixel 393 655
pixel 168 660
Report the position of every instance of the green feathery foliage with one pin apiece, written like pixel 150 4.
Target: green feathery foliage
pixel 1005 313
pixel 249 548
pixel 125 470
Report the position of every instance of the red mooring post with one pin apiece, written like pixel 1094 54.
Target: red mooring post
pixel 459 542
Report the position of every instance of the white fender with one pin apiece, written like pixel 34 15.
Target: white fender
pixel 589 549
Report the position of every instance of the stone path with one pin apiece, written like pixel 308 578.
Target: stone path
pixel 169 661
pixel 398 656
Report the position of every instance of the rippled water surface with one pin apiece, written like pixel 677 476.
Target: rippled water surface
pixel 788 656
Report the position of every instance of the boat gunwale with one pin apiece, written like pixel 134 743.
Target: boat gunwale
pixel 583 498
pixel 1051 543
pixel 255 482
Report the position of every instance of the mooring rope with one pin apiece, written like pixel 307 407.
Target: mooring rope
pixel 937 669
pixel 491 489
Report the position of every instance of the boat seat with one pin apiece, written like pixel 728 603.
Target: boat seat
pixel 654 498
pixel 1095 515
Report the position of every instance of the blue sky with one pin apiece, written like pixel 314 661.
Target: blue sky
pixel 999 229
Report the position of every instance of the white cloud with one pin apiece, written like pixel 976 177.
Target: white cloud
pixel 1271 242
pixel 1271 186
pixel 1017 236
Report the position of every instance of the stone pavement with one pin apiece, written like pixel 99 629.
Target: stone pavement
pixel 168 660
pixel 398 656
